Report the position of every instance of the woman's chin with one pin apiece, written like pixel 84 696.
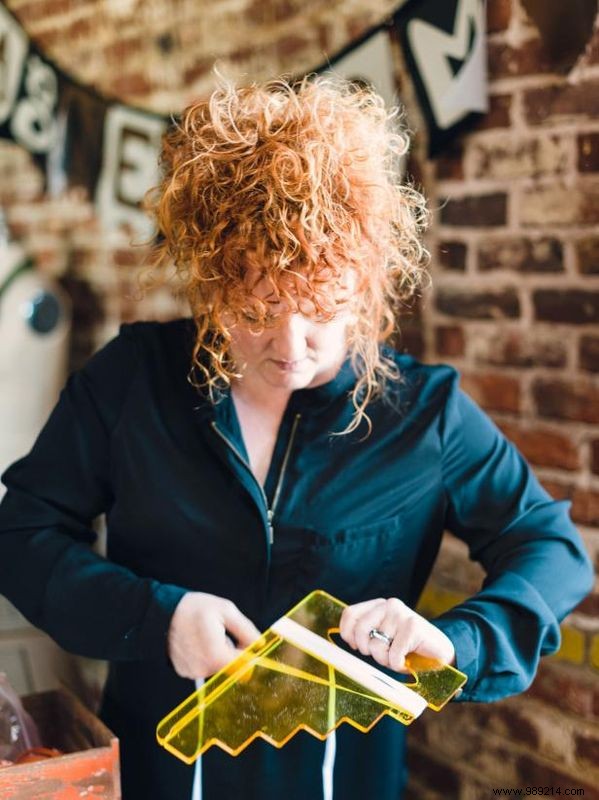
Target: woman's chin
pixel 291 382
pixel 298 377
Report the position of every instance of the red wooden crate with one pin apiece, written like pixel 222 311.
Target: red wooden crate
pixel 90 767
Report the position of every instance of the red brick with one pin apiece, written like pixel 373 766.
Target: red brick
pixel 595 456
pixel 564 29
pixel 119 49
pixel 519 348
pixel 530 58
pixel 506 721
pixel 35 11
pixel 588 152
pixel 413 791
pixel 475 211
pixel 535 772
pixel 587 254
pixel 450 164
pixel 576 692
pixel 543 447
pixel 130 84
pixel 521 254
pixel 433 773
pixel 517 157
pixel 558 205
pixel 492 391
pixel 498 115
pixel 587 748
pixel 589 606
pixel 411 339
pixel 129 256
pixel 260 12
pixel 574 306
pixel 559 491
pixel 585 503
pixel 88 314
pixel 589 353
pixel 358 25
pixel 452 255
pixel 82 28
pixel 585 507
pixel 449 341
pixel 289 46
pixel 498 15
pixel 414 169
pixel 567 102
pixel 471 304
pixel 574 400
pixel 202 66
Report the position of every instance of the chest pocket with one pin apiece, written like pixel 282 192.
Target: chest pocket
pixel 353 563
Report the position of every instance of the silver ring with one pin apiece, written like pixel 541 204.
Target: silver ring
pixel 382 637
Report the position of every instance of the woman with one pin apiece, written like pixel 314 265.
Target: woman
pixel 298 452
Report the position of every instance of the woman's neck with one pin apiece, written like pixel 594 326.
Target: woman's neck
pixel 269 400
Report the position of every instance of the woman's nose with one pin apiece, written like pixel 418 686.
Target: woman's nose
pixel 290 337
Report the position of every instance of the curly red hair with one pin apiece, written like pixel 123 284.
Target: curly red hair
pixel 299 181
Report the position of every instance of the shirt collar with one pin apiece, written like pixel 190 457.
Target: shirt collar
pixel 326 393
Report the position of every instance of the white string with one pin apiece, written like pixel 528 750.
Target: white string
pixel 328 764
pixel 196 792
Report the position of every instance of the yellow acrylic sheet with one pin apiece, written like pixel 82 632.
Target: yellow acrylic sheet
pixel 295 677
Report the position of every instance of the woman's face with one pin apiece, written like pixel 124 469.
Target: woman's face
pixel 297 351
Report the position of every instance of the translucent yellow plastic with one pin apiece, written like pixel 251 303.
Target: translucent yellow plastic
pixel 274 689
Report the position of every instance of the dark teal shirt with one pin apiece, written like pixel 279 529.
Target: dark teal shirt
pixel 359 517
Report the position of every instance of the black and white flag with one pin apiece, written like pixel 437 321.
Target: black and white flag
pixel 129 168
pixel 444 46
pixel 77 137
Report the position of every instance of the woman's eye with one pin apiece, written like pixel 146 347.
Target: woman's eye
pixel 254 319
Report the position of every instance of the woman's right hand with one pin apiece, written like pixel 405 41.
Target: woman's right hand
pixel 199 637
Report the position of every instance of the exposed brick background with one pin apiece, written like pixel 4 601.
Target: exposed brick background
pixel 514 304
pixel 158 54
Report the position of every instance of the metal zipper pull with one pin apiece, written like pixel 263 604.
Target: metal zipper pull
pixel 271 531
pixel 269 511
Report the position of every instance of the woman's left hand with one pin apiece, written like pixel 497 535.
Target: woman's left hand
pixel 410 633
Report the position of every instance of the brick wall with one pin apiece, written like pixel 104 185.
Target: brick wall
pixel 515 246
pixel 515 306
pixel 158 54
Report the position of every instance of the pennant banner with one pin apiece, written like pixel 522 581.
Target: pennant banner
pixel 129 167
pixel 444 45
pixel 79 138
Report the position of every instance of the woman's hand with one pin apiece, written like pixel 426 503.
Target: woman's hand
pixel 410 633
pixel 198 640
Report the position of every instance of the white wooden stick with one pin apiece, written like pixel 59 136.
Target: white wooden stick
pixel 395 692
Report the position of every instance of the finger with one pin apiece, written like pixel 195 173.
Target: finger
pixel 367 621
pixel 435 644
pixel 350 616
pixel 407 639
pixel 220 652
pixel 236 623
pixel 395 624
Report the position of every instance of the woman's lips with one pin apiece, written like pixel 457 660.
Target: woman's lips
pixel 288 366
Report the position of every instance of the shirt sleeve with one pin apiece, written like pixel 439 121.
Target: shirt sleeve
pixel 89 605
pixel 536 564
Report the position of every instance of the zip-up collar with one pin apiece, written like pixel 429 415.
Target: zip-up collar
pixel 320 397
